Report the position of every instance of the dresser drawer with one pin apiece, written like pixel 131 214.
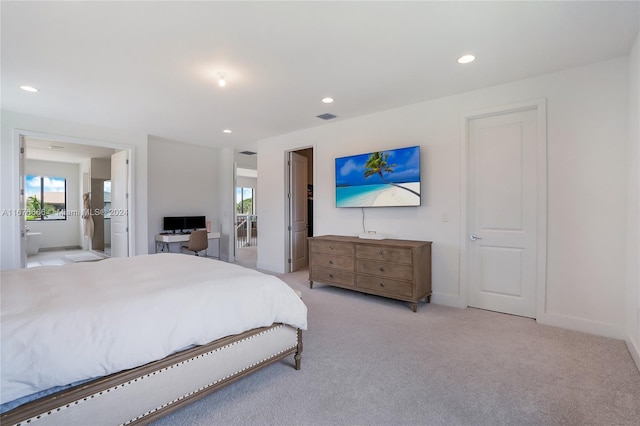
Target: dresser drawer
pixel 385 269
pixel 385 285
pixel 326 275
pixel 333 262
pixel 398 269
pixel 387 254
pixel 331 247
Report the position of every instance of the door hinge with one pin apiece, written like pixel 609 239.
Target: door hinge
pixel 127 196
pixel 21 150
pixel 289 260
pixel 288 228
pixel 21 191
pixel 126 161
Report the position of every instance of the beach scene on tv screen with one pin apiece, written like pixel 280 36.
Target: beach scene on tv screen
pixel 379 179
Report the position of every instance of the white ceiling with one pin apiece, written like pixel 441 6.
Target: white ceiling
pixel 63 152
pixel 152 66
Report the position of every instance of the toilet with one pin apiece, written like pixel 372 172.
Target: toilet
pixel 33 242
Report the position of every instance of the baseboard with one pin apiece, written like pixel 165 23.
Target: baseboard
pixel 583 325
pixel 446 299
pixel 634 350
pixel 43 249
pixel 270 267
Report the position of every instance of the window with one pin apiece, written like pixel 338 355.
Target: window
pixel 244 200
pixel 46 198
pixel 246 221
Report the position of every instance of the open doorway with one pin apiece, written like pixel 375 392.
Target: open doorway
pixel 300 212
pixel 66 171
pixel 246 223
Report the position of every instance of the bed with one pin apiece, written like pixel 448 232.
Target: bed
pixel 127 340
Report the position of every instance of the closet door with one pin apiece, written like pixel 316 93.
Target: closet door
pixel 503 212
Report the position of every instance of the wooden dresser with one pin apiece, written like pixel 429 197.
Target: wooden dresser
pixel 398 269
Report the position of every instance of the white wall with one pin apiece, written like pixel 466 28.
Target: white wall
pixel 245 161
pixel 587 187
pixel 246 182
pixel 59 233
pixel 632 295
pixel 227 207
pixel 13 124
pixel 183 181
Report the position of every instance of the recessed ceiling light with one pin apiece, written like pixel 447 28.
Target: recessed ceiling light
pixel 29 88
pixel 327 100
pixel 466 59
pixel 226 131
pixel 222 82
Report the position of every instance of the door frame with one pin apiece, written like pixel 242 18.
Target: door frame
pixel 19 134
pixel 541 224
pixel 22 153
pixel 287 201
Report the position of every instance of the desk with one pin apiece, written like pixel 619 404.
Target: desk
pixel 163 240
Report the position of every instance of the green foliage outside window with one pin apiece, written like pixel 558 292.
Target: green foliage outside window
pixel 244 200
pixel 245 206
pixel 45 198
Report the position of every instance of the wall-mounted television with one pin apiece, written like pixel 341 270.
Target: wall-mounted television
pixel 388 178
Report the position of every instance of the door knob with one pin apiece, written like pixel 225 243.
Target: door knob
pixel 474 237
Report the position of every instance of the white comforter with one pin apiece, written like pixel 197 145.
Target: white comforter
pixel 64 324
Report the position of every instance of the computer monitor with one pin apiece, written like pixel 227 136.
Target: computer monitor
pixel 173 223
pixel 195 222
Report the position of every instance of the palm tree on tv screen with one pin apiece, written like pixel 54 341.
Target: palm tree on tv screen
pixel 377 165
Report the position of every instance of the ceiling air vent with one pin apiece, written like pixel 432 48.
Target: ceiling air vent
pixel 326 116
pixel 248 152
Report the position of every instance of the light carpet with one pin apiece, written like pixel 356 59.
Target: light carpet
pixel 372 361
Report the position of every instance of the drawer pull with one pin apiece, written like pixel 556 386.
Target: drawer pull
pixel 382 252
pixel 331 247
pixel 381 269
pixel 330 275
pixel 381 284
pixel 331 262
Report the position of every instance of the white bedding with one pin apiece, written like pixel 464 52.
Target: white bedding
pixel 63 324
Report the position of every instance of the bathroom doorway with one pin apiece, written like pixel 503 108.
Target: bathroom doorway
pixel 64 240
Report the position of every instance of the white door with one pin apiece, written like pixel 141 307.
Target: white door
pixel 502 212
pixel 23 204
pixel 298 211
pixel 120 204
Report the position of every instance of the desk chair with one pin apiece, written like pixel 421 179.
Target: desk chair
pixel 198 241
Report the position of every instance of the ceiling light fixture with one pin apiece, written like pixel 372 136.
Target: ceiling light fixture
pixel 226 131
pixel 222 82
pixel 327 100
pixel 29 89
pixel 466 59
